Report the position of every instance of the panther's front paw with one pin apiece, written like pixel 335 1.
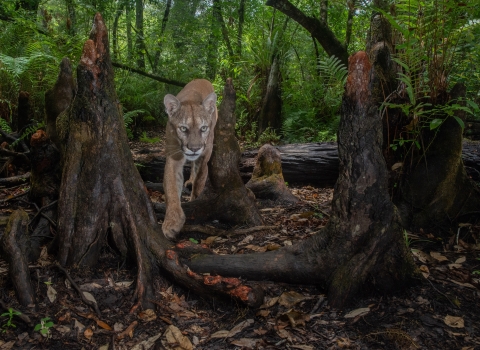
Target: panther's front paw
pixel 173 223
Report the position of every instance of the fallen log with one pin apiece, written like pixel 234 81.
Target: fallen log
pixel 303 164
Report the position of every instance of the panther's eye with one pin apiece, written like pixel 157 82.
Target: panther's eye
pixel 183 128
pixel 204 128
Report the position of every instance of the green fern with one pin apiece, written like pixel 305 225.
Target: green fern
pixel 5 126
pixel 332 71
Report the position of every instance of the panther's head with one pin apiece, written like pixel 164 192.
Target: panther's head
pixel 193 121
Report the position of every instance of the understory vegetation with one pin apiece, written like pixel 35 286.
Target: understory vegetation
pixel 186 39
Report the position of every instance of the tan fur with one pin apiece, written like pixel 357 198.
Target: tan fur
pixel 192 116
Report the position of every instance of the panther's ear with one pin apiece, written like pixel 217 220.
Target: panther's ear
pixel 210 102
pixel 172 104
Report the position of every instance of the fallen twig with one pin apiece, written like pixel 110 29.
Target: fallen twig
pixel 14 139
pixel 128 331
pixel 92 304
pixel 14 180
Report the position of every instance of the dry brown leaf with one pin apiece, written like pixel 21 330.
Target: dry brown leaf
pixel 103 325
pixel 454 321
pixel 147 315
pixel 128 331
pixel 437 256
pixel 79 326
pixel 88 287
pixel 51 293
pixel 358 312
pixel 247 343
pixel 209 240
pixel 295 318
pixel 260 331
pixel 422 256
pixel 88 333
pixel 174 337
pixel 220 334
pixel 239 327
pixel 425 271
pixel 467 285
pixel 256 248
pixel 343 343
pixel 289 299
pixel 263 313
pixel 460 260
pixel 89 296
pixel 282 333
pixel 273 246
pixel 454 266
pixel 269 303
pixel 302 347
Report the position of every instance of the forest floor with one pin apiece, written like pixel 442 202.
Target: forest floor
pixel 443 312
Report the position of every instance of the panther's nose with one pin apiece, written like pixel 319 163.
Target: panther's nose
pixel 194 149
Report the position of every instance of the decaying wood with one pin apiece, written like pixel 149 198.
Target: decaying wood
pixel 58 99
pixel 267 179
pixel 15 246
pixel 313 164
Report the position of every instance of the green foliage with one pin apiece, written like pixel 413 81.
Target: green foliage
pixel 9 323
pixel 333 72
pixel 5 126
pixel 268 136
pixel 145 138
pixel 429 49
pixel 44 326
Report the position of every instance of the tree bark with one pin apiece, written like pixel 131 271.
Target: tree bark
pixel 351 14
pixel 15 246
pixel 316 28
pixel 23 110
pixel 139 37
pixel 72 17
pixel 128 12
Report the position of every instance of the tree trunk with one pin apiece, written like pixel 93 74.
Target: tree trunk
pixel 120 7
pixel 217 14
pixel 160 36
pixel 139 41
pixel 271 112
pixel 324 11
pixel 128 12
pixel 241 21
pixel 23 110
pixel 351 14
pixel 72 17
pixel 363 243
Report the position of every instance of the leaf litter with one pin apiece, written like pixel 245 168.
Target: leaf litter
pixel 442 312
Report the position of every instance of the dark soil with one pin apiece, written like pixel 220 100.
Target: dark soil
pixel 441 313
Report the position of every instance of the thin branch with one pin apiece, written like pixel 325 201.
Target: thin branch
pixel 148 75
pixel 92 304
pixel 13 180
